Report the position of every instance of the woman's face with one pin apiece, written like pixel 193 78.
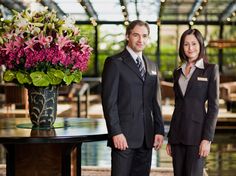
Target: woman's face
pixel 191 47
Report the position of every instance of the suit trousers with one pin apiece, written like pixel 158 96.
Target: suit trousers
pixel 131 162
pixel 186 160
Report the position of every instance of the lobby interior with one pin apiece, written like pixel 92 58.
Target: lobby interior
pixel 104 22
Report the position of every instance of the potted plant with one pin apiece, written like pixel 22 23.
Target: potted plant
pixel 41 52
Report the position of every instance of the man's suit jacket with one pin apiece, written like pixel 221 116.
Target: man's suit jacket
pixel 191 122
pixel 130 104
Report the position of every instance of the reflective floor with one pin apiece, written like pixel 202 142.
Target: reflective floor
pixel 222 159
pixel 220 162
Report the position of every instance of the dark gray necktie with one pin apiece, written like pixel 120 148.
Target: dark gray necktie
pixel 141 67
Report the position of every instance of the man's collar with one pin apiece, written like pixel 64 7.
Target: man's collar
pixel 133 54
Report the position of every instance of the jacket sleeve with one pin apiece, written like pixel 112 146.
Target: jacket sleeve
pixel 159 124
pixel 213 105
pixel 110 83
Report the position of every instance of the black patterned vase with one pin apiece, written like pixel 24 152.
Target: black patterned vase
pixel 43 105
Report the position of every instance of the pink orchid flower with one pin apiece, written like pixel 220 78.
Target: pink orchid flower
pixel 9 47
pixel 63 41
pixel 18 42
pixel 10 35
pixel 30 44
pixel 45 41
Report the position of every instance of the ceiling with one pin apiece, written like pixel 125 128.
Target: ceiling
pixel 121 11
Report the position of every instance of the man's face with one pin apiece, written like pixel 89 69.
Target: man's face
pixel 138 38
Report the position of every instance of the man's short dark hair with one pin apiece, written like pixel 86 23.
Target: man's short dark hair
pixel 134 23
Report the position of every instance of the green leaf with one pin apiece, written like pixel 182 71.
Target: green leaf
pixel 57 73
pixel 51 26
pixel 60 22
pixel 9 75
pixel 23 78
pixel 38 24
pixel 36 31
pixel 1 40
pixel 78 76
pixel 68 79
pixel 53 79
pixel 40 78
pixel 14 12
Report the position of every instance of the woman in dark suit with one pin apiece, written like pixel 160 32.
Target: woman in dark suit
pixel 196 88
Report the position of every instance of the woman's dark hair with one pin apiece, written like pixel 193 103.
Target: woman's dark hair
pixel 199 37
pixel 134 23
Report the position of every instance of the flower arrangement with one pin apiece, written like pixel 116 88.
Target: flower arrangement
pixel 39 49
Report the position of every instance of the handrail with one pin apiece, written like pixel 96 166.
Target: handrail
pixel 87 84
pixel 85 89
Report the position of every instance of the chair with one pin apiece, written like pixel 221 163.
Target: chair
pixel 15 94
pixel 228 94
pixel 167 92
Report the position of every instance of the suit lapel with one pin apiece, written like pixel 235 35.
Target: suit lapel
pixel 197 72
pixel 178 89
pixel 129 61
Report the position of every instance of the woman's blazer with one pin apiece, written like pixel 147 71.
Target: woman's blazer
pixel 195 113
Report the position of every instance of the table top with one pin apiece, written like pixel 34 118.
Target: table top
pixel 66 130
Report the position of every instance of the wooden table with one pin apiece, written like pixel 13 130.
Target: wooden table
pixel 47 152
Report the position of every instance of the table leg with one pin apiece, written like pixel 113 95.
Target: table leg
pixel 10 168
pixel 78 160
pixel 66 160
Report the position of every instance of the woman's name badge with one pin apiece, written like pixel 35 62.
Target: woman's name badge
pixel 202 79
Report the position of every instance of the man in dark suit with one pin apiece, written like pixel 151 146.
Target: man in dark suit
pixel 131 105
